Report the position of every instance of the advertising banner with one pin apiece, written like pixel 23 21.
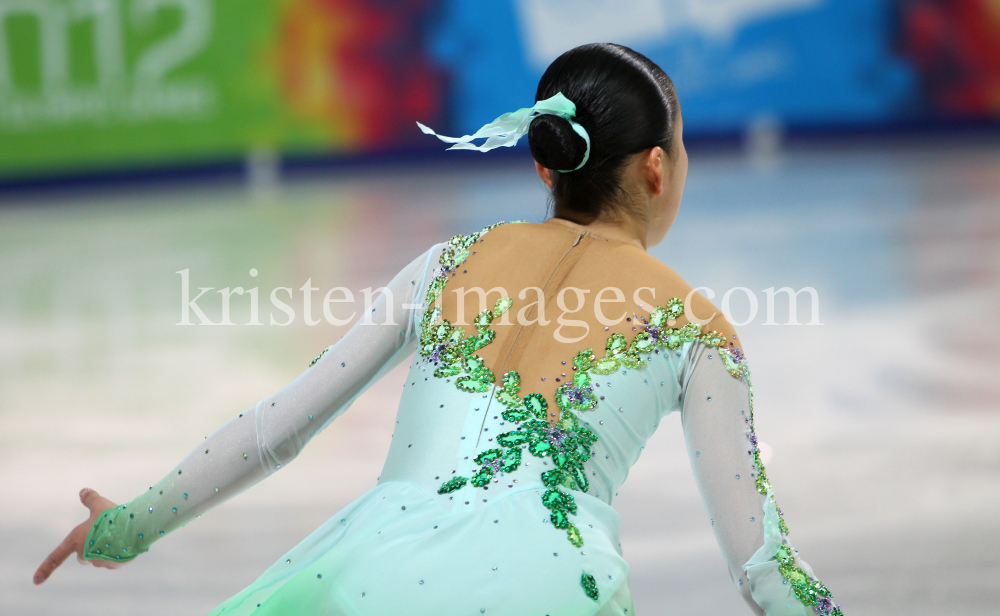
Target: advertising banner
pixel 97 85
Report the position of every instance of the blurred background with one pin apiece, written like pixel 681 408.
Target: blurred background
pixel 850 146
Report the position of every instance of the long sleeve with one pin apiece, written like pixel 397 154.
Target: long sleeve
pixel 717 417
pixel 266 437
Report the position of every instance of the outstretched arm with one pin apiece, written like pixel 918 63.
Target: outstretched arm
pixel 266 437
pixel 717 416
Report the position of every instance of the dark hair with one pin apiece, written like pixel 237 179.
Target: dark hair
pixel 626 103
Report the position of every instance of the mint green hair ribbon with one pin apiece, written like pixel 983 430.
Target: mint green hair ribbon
pixel 511 126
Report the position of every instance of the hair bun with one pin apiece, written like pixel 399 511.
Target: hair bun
pixel 554 143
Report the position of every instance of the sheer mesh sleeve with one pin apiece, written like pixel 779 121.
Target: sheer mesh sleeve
pixel 262 439
pixel 717 416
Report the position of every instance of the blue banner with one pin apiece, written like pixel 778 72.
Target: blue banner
pixel 801 62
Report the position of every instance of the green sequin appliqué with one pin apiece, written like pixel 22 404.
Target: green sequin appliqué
pixel 447 346
pixel 589 585
pixel 810 591
pixel 567 442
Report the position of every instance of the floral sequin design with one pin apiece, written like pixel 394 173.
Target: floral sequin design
pixel 447 346
pixel 452 351
pixel 810 591
pixel 566 442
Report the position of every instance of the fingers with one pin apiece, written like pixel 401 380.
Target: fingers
pixel 53 560
pixel 74 541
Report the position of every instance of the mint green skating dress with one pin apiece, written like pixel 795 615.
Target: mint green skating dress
pixel 483 505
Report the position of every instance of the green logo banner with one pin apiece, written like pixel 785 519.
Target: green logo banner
pixel 93 84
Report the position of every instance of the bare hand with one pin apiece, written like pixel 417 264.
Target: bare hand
pixel 75 539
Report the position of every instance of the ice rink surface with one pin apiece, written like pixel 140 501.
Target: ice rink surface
pixel 883 420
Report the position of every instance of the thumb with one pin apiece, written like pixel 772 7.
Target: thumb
pixel 90 499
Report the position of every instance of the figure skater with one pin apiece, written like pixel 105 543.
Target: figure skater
pixel 544 355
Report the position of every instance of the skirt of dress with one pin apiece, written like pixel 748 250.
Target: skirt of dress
pixel 396 551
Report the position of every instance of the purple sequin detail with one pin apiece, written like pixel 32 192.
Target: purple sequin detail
pixel 825 606
pixel 654 332
pixel 738 355
pixel 445 270
pixel 435 355
pixel 555 435
pixel 577 394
